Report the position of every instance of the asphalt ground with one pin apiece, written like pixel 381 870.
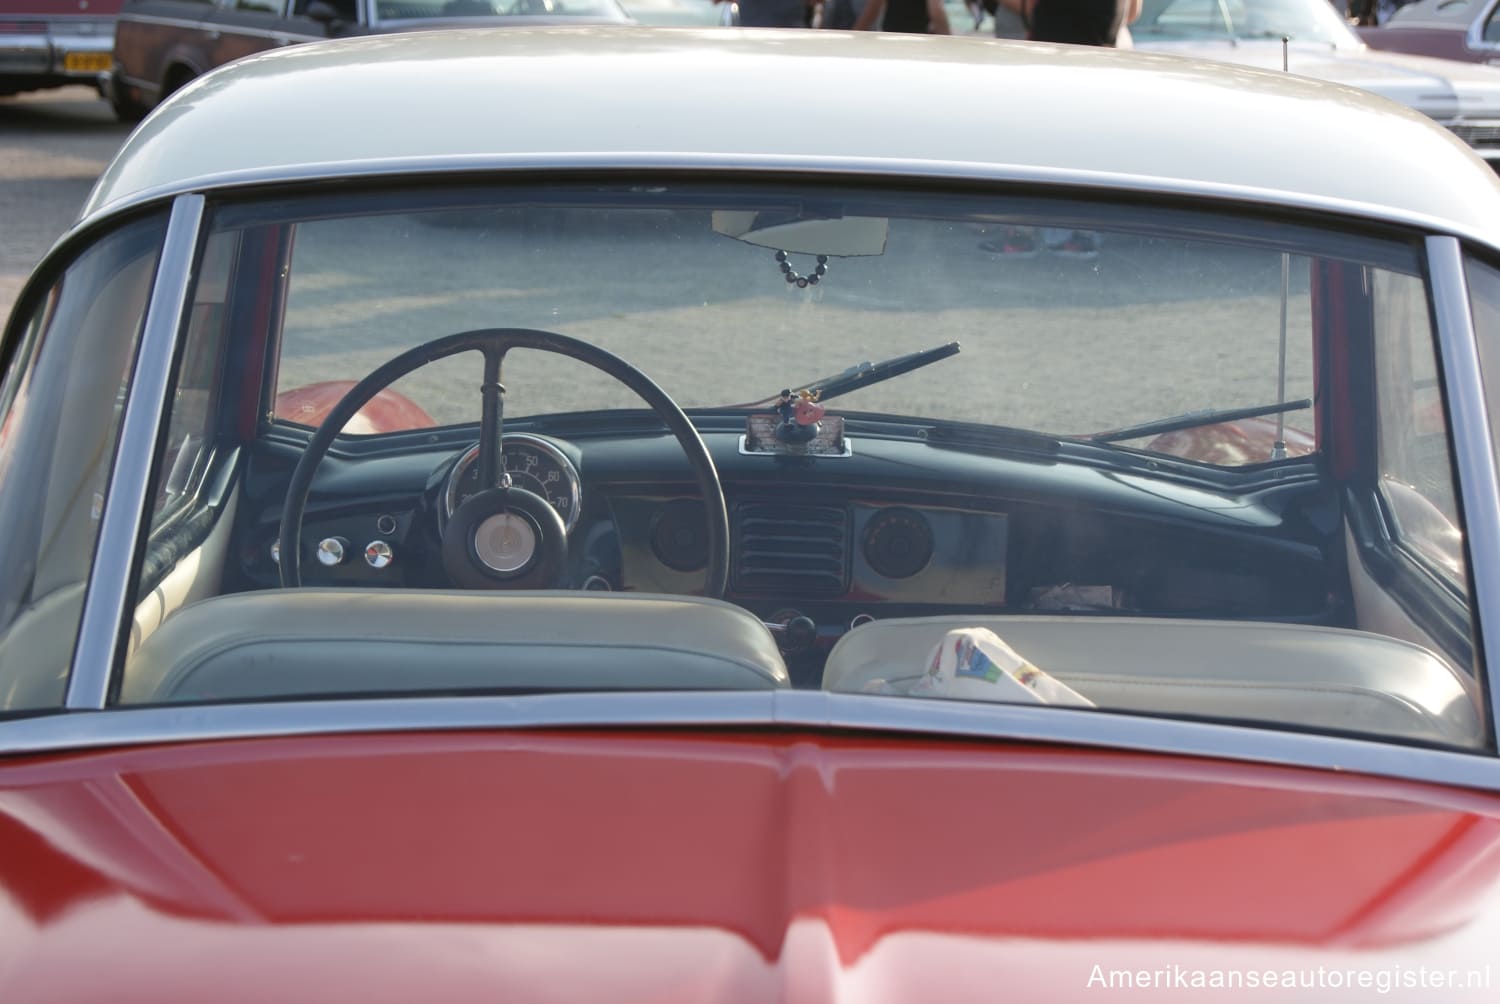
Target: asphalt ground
pixel 53 145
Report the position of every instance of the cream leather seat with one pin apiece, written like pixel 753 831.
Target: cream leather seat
pixel 1314 677
pixel 283 643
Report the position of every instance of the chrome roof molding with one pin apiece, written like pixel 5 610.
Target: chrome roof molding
pixel 791 710
pixel 924 171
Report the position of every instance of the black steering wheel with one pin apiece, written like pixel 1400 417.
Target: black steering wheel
pixel 505 537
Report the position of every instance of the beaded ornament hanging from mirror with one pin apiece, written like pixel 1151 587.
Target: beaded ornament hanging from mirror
pixel 802 281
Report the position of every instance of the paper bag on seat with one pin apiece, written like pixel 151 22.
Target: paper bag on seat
pixel 975 664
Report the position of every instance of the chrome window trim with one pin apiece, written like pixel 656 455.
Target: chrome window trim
pixel 105 603
pixel 785 709
pixel 204 26
pixel 127 500
pixel 1474 37
pixel 1473 451
pixel 920 171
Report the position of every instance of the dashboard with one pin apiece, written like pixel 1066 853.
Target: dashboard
pixel 899 526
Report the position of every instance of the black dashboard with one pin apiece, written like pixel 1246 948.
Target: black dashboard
pixel 901 526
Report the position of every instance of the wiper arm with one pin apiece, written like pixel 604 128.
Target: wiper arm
pixel 1195 419
pixel 865 375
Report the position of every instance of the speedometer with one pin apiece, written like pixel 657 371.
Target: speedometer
pixel 533 463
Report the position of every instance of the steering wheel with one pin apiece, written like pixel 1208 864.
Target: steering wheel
pixel 505 537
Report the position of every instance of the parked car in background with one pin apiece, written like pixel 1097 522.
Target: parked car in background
pixel 681 13
pixel 1463 98
pixel 1467 30
pixel 160 45
pixel 791 543
pixel 53 43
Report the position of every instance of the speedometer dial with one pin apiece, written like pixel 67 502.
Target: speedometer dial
pixel 533 463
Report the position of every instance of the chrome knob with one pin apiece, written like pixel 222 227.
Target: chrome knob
pixel 331 551
pixel 378 554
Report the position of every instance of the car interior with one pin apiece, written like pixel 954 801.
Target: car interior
pixel 321 527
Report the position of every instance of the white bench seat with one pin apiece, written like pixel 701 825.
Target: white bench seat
pixel 1294 675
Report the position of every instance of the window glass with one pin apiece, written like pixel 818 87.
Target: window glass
pixel 941 410
pixel 194 407
pixel 345 9
pixel 1169 20
pixel 1416 465
pixel 60 410
pixel 1050 342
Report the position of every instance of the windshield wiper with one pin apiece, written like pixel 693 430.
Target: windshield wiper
pixel 1195 419
pixel 864 375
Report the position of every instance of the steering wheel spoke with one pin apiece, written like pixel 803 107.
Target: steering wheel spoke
pixel 492 421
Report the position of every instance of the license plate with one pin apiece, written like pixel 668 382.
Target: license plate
pixel 87 62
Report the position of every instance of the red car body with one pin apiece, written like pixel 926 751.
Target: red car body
pixel 220 786
pixel 762 866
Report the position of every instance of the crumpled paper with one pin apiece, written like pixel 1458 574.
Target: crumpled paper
pixel 975 664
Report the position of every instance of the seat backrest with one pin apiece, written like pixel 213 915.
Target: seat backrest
pixel 300 642
pixel 1287 674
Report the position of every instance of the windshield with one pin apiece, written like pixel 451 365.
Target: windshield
pixel 1159 459
pixel 1066 330
pixel 1298 20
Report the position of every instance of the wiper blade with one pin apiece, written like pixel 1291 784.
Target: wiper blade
pixel 1195 419
pixel 865 374
pixel 991 438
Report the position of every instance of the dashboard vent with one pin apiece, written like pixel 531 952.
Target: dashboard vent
pixel 791 549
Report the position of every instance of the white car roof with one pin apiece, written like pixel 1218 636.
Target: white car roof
pixel 782 99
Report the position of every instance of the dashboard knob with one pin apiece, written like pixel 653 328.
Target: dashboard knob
pixel 331 551
pixel 378 554
pixel 793 630
pixel 801 632
pixel 275 552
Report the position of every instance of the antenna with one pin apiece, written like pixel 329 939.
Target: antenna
pixel 1278 448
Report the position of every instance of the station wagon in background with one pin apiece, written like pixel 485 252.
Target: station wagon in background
pixel 163 44
pixel 621 540
pixel 1463 98
pixel 54 43
pixel 1449 29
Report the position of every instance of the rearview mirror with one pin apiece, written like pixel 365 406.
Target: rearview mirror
pixel 837 237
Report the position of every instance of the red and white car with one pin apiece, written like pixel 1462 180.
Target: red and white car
pixel 638 515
